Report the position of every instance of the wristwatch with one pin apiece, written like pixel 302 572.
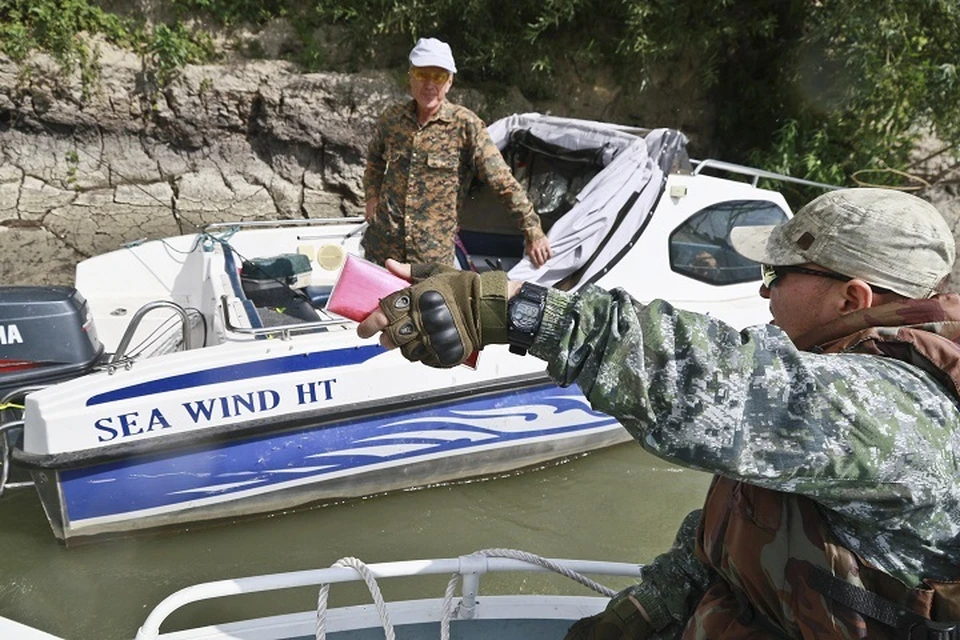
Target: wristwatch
pixel 524 314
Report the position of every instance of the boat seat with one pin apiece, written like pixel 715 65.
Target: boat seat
pixel 276 301
pixel 318 295
pixel 484 251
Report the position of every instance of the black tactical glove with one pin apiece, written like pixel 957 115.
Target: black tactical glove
pixel 621 620
pixel 443 319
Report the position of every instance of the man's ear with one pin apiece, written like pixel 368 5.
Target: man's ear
pixel 857 295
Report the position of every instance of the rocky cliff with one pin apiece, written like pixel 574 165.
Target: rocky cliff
pixel 82 174
pixel 249 141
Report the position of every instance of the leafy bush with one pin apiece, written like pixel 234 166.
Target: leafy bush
pixel 819 90
pixel 870 78
pixel 57 27
pixel 169 49
pixel 54 27
pixel 230 12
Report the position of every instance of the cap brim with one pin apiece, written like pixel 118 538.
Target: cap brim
pixel 757 244
pixel 428 60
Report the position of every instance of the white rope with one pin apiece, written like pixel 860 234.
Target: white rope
pixel 447 612
pixel 515 554
pixel 371 581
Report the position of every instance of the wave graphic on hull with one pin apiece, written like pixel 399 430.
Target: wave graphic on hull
pixel 234 469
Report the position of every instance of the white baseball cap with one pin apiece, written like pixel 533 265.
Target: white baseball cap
pixel 430 52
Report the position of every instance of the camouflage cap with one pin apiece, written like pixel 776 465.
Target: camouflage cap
pixel 887 238
pixel 430 52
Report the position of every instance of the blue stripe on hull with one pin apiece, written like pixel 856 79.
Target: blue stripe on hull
pixel 256 463
pixel 241 371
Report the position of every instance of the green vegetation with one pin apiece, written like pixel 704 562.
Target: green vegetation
pixel 57 27
pixel 819 89
pixel 866 79
pixel 54 27
pixel 169 48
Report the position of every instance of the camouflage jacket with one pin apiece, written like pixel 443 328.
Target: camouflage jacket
pixel 868 439
pixel 420 176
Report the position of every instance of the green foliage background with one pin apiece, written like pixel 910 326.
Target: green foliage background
pixel 817 89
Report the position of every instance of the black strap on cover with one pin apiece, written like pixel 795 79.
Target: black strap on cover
pixel 909 625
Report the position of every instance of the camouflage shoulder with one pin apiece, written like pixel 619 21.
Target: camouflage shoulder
pixel 462 115
pixel 395 112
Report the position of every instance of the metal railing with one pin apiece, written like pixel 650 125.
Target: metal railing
pixel 282 331
pixel 471 568
pixel 307 222
pixel 299 222
pixel 138 317
pixel 6 427
pixel 753 173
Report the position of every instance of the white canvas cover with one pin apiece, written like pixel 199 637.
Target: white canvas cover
pixel 589 235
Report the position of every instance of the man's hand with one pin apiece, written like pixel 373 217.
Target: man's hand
pixel 376 321
pixel 444 318
pixel 371 209
pixel 539 250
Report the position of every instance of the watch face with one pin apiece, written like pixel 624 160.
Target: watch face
pixel 525 315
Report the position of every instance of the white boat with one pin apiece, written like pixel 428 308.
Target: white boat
pixel 244 396
pixel 468 615
pixel 461 611
pixel 13 629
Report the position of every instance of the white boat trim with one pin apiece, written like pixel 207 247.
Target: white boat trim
pixel 16 631
pixel 470 568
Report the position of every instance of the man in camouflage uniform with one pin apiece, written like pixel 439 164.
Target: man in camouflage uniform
pixel 423 156
pixel 832 432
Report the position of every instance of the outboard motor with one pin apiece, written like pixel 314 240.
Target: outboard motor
pixel 46 336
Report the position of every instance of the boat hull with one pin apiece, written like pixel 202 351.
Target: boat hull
pixel 327 460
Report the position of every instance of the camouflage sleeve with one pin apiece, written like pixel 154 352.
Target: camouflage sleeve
pixel 376 163
pixel 494 172
pixel 852 431
pixel 674 582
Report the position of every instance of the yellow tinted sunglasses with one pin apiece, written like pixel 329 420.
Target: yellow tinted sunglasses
pixel 439 76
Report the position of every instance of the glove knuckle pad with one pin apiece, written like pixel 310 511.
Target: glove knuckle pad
pixel 439 324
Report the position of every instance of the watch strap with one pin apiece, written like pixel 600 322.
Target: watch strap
pixel 493 307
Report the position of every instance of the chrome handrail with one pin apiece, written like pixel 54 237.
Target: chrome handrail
pixel 283 331
pixel 472 566
pixel 5 458
pixel 20 391
pixel 5 451
pixel 306 222
pixel 756 174
pixel 138 317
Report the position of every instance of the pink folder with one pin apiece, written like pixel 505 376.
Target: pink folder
pixel 360 288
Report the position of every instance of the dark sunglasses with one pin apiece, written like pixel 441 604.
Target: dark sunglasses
pixel 770 273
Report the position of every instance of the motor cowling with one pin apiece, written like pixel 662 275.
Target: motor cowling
pixel 46 336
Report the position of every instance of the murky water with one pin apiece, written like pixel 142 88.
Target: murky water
pixel 617 504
